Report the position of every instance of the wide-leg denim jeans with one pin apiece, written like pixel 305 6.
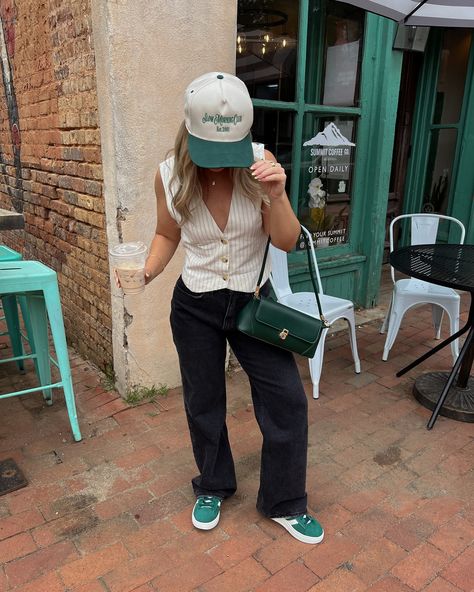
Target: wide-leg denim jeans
pixel 201 323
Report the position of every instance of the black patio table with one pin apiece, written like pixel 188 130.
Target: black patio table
pixel 451 266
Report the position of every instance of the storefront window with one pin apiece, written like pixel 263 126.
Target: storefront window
pixel 452 75
pixel 293 101
pixel 274 128
pixel 439 170
pixel 266 44
pixel 326 178
pixel 340 57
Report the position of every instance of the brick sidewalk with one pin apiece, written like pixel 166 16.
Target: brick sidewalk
pixel 112 513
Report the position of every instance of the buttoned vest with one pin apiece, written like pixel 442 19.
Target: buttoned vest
pixel 216 259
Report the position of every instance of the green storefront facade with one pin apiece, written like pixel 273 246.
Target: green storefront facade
pixel 365 131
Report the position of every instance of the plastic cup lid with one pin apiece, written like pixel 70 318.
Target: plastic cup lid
pixel 128 249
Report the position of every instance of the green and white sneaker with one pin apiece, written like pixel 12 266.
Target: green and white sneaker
pixel 305 528
pixel 206 512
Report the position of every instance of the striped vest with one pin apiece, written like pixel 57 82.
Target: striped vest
pixel 216 259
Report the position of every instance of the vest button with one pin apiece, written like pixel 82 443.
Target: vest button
pixel 225 277
pixel 224 259
pixel 224 241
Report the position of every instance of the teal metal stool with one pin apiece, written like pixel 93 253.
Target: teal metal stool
pixel 10 310
pixel 37 284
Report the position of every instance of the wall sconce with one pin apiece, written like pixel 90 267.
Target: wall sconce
pixel 409 38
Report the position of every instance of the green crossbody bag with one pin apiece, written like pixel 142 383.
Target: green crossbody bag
pixel 280 325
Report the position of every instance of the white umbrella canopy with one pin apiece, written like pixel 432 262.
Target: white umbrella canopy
pixel 422 13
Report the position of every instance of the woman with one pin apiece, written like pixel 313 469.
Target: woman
pixel 223 204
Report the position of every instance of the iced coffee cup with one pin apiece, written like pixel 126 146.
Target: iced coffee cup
pixel 128 261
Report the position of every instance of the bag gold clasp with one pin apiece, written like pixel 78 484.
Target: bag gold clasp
pixel 283 334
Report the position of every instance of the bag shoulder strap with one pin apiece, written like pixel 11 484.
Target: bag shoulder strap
pixel 311 273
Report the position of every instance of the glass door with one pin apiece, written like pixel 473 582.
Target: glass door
pixel 437 175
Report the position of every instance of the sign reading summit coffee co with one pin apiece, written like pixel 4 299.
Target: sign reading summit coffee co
pixel 329 171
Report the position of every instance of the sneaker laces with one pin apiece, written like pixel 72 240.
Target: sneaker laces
pixel 304 520
pixel 206 502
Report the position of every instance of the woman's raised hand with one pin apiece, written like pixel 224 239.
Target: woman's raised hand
pixel 272 176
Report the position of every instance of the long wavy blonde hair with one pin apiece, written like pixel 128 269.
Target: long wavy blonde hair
pixel 185 183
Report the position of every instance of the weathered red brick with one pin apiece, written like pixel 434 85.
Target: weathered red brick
pixel 339 580
pixel 37 563
pixel 140 570
pixel 187 576
pixel 246 575
pixel 376 560
pixel 441 585
pixel 19 522
pixel 389 584
pixel 239 547
pixel 292 578
pixel 454 537
pixel 16 546
pixel 94 565
pixel 460 571
pixel 422 565
pixel 49 582
pixel 334 551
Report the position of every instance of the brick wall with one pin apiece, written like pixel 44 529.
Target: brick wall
pixel 50 159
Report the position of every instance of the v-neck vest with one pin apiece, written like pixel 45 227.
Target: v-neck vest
pixel 216 259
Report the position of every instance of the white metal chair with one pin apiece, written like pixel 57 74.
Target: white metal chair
pixel 412 292
pixel 333 307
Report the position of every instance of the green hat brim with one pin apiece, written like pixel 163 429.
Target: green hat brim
pixel 215 155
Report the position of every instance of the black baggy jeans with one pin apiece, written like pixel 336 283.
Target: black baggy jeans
pixel 201 323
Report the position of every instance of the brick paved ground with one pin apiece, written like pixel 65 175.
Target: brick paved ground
pixel 112 513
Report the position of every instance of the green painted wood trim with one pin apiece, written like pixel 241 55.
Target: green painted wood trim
pixel 270 104
pixel 316 32
pixel 341 280
pixel 463 187
pixel 470 225
pixel 335 263
pixel 441 126
pixel 337 266
pixel 328 268
pixel 299 116
pixel 380 86
pixel 324 109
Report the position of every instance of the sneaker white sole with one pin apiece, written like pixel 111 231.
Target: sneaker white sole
pixel 205 525
pixel 297 535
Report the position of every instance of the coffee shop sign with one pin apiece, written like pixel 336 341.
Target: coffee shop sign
pixel 333 144
pixel 330 136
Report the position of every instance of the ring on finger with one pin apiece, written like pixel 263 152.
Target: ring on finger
pixel 273 164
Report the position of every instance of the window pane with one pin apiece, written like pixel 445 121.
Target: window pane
pixel 275 129
pixel 439 170
pixel 324 203
pixel 333 67
pixel 452 75
pixel 266 48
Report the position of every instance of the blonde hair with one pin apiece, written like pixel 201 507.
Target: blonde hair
pixel 185 179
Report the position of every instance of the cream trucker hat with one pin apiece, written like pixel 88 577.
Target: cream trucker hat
pixel 218 116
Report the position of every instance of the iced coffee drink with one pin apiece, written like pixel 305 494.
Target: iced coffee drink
pixel 128 261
